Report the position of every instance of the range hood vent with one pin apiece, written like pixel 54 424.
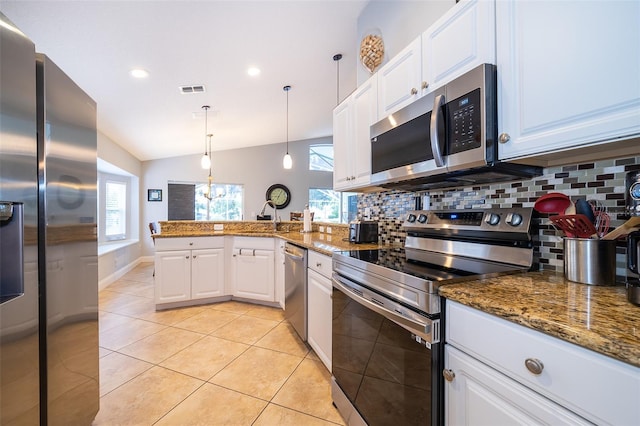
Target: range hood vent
pixel 493 173
pixel 196 88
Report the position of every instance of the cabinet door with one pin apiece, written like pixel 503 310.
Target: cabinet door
pixel 365 113
pixel 567 74
pixel 479 395
pixel 173 276
pixel 319 316
pixel 341 140
pixel 254 274
pixel 458 42
pixel 207 273
pixel 399 80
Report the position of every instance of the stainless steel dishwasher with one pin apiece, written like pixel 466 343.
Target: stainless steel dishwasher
pixel 295 288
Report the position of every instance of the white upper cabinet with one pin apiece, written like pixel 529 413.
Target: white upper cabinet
pixel 399 80
pixel 458 42
pixel 568 74
pixel 352 120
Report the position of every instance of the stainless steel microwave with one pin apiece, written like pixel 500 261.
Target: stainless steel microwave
pixel 446 138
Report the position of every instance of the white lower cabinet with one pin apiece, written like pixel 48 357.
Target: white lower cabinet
pixel 319 309
pixel 479 395
pixel 188 269
pixel 498 372
pixel 253 275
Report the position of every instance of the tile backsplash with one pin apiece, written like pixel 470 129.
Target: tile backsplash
pixel 600 180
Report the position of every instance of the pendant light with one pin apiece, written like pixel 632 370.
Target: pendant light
pixel 287 161
pixel 337 58
pixel 209 193
pixel 205 161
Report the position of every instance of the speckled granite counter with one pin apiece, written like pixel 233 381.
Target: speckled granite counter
pixel 289 231
pixel 595 317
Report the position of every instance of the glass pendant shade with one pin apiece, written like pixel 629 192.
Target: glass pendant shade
pixel 287 162
pixel 205 161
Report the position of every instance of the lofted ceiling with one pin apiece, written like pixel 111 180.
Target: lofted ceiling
pixel 206 42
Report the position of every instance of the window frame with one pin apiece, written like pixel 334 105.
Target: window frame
pixel 103 179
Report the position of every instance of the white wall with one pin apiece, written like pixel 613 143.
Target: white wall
pixel 399 22
pixel 256 168
pixel 113 264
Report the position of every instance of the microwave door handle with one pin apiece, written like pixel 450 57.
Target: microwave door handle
pixel 436 117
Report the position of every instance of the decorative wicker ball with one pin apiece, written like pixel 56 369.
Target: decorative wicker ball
pixel 371 52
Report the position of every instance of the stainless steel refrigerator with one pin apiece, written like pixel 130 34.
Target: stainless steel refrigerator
pixel 49 370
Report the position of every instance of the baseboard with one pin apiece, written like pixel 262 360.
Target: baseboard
pixel 105 282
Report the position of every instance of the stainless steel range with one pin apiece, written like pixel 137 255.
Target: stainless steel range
pixel 387 350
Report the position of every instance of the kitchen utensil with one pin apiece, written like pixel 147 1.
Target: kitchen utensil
pixel 602 223
pixel 553 202
pixel 630 225
pixel 575 224
pixel 590 261
pixel 583 207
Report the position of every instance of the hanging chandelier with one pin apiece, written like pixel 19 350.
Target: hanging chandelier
pixel 287 161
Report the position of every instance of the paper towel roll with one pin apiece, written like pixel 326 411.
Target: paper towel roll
pixel 307 221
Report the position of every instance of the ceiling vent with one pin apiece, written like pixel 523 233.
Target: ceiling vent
pixel 198 88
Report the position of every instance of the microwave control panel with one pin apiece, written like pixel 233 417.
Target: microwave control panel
pixel 465 129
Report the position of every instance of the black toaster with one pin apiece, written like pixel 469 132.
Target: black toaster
pixel 363 231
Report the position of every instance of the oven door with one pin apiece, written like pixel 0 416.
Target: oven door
pixel 389 374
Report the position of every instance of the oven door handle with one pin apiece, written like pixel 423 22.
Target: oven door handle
pixel 427 331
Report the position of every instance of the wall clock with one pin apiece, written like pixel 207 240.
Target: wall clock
pixel 280 195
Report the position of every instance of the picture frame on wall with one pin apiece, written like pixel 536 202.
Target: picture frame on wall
pixel 154 194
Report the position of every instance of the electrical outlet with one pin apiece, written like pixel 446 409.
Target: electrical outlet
pixel 321 228
pixel 328 229
pixel 218 227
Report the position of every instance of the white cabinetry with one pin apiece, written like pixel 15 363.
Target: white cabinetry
pixel 188 269
pixel 400 80
pixel 253 268
pixel 319 309
pixel 567 75
pixel 352 120
pixel 499 372
pixel 460 40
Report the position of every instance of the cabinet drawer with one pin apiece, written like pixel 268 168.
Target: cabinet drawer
pixel 320 263
pixel 188 243
pixel 599 388
pixel 258 243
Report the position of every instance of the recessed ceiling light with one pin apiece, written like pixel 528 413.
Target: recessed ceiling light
pixel 139 73
pixel 253 71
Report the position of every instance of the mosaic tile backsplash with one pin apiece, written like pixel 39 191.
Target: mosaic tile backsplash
pixel 600 180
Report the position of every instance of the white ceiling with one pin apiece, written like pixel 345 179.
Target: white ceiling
pixel 210 42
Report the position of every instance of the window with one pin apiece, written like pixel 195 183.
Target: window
pixel 115 210
pixel 328 205
pixel 226 203
pixel 321 158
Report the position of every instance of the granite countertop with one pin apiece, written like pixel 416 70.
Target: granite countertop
pixel 316 241
pixel 598 318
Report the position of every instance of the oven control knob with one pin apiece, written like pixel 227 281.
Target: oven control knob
pixel 514 219
pixel 422 218
pixel 411 218
pixel 492 219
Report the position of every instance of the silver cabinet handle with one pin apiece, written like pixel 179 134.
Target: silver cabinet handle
pixel 318 264
pixel 449 375
pixel 190 244
pixel 504 138
pixel 534 365
pixel 424 85
pixel 194 257
pixel 186 257
pixel 414 91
